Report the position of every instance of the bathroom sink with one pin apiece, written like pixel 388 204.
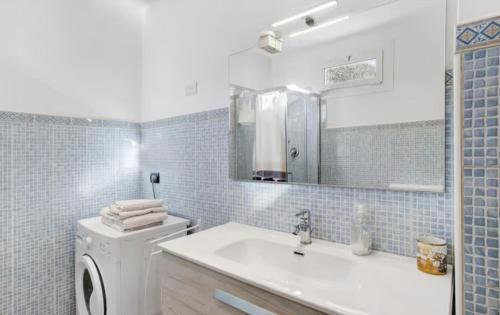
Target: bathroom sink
pixel 280 259
pixel 326 276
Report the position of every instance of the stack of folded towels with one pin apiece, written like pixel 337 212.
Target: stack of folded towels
pixel 132 215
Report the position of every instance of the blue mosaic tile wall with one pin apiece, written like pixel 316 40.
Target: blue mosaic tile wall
pixel 191 152
pixel 382 155
pixel 54 171
pixel 481 178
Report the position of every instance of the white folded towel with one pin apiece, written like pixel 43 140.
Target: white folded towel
pixel 134 222
pixel 128 214
pixel 120 228
pixel 138 204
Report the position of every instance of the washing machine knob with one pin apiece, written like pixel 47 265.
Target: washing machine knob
pixel 88 241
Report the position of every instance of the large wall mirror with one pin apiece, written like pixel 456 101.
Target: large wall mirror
pixel 346 93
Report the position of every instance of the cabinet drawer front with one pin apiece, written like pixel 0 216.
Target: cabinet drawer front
pixel 187 288
pixel 240 304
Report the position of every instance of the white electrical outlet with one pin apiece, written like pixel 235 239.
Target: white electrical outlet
pixel 191 88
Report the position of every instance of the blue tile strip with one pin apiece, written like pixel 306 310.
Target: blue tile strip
pixel 478 34
pixel 15 117
pixel 481 149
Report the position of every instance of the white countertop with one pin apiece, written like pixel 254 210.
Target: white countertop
pixel 328 278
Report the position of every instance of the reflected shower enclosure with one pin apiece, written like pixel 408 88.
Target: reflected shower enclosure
pixel 348 105
pixel 277 134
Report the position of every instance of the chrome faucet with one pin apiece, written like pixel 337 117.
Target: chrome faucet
pixel 304 227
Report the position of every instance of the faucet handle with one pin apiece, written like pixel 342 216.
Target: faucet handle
pixel 305 214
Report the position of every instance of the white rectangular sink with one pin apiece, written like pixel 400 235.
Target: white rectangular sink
pixel 327 277
pixel 280 259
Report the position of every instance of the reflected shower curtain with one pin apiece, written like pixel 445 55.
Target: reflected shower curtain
pixel 270 139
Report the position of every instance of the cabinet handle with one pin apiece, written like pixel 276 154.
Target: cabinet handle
pixel 240 304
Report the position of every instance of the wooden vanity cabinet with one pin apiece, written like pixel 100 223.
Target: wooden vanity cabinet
pixel 191 289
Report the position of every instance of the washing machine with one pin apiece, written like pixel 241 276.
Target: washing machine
pixel 110 267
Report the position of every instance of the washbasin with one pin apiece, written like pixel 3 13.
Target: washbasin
pixel 277 258
pixel 328 277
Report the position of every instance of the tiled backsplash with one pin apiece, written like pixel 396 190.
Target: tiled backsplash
pixel 481 178
pixel 54 171
pixel 191 152
pixel 383 155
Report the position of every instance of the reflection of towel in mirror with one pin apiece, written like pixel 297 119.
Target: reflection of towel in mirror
pixel 270 137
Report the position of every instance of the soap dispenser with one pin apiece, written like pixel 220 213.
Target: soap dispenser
pixel 361 239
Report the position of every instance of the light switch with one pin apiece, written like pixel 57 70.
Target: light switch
pixel 191 88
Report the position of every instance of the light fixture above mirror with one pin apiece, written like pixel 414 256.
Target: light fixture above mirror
pixel 303 14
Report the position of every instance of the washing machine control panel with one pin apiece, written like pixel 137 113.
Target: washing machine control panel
pixel 88 243
pixel 105 248
pixel 84 241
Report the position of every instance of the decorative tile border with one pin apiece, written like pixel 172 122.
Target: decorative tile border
pixel 478 34
pixel 52 120
pixel 195 117
pixel 14 117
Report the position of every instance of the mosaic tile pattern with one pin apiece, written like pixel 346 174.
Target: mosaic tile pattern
pixel 16 117
pixel 191 152
pixel 6 229
pixel 481 178
pixel 478 34
pixel 379 156
pixel 53 173
pixel 62 120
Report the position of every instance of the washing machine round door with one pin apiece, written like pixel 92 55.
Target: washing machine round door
pixel 90 298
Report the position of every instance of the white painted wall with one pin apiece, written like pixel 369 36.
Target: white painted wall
pixel 71 57
pixel 413 75
pixel 190 40
pixel 84 58
pixel 473 10
pixel 416 73
pixel 451 24
pixel 251 69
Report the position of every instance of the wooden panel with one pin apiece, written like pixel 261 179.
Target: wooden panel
pixel 188 289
